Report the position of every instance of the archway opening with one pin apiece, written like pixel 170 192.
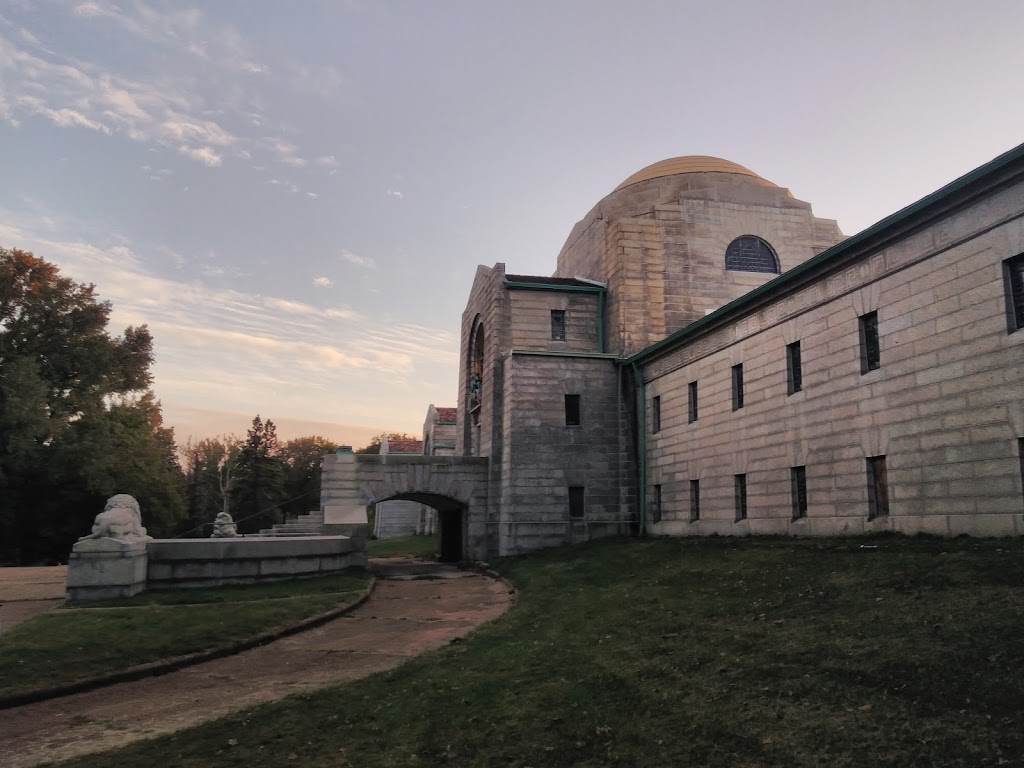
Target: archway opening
pixel 448 528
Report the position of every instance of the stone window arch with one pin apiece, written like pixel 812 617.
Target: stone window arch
pixel 749 253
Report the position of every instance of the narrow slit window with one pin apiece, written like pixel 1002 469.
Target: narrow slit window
pixel 798 478
pixel 878 487
pixel 737 387
pixel 558 325
pixel 656 414
pixel 572 411
pixel 577 502
pixel 870 350
pixel 740 492
pixel 793 367
pixel 694 501
pixel 1014 271
pixel 656 505
pixel 1020 455
pixel 693 401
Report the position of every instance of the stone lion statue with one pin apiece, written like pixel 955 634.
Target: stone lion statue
pixel 121 519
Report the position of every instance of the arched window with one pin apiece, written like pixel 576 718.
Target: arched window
pixel 751 254
pixel 476 366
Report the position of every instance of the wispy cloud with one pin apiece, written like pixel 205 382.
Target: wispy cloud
pixel 153 109
pixel 263 341
pixel 322 282
pixel 364 262
pixel 395 194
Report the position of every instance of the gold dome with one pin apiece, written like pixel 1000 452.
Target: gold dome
pixel 689 164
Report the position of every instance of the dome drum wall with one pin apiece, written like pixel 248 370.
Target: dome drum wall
pixel 660 244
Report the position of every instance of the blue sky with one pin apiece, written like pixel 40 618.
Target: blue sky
pixel 295 196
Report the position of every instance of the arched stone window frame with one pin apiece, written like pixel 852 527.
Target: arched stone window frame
pixel 750 253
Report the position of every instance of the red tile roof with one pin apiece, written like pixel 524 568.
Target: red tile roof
pixel 447 415
pixel 405 446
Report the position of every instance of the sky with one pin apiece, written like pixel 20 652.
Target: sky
pixel 294 196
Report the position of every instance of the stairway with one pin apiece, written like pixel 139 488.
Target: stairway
pixel 303 525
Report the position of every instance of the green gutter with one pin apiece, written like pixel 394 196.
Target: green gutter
pixel 600 290
pixel 553 287
pixel 878 230
pixel 642 424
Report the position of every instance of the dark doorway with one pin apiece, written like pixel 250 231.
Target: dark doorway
pixel 450 530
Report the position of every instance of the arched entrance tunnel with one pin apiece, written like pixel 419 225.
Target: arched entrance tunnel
pixel 456 486
pixel 450 531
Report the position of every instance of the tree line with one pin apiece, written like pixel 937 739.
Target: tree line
pixel 79 422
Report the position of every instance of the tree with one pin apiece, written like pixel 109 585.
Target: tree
pixel 302 459
pixel 375 443
pixel 259 472
pixel 210 480
pixel 77 421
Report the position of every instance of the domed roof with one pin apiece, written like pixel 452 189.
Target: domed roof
pixel 690 164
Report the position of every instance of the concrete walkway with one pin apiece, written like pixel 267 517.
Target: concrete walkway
pixel 27 592
pixel 407 615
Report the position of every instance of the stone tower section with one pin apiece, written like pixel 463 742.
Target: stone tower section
pixel 660 242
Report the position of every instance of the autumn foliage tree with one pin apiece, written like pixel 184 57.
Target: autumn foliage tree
pixel 77 420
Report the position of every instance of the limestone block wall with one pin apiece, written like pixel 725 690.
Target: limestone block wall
pixel 488 305
pixel 945 407
pixel 531 320
pixel 394 519
pixel 660 245
pixel 543 457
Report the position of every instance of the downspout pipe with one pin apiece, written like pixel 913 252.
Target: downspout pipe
pixel 641 395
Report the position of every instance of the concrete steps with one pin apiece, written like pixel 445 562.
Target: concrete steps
pixel 304 525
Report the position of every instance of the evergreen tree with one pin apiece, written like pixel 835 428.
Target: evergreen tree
pixel 260 478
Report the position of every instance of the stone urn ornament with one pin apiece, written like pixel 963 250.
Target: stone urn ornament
pixel 224 527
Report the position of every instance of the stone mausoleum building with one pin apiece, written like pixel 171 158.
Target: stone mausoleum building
pixel 709 357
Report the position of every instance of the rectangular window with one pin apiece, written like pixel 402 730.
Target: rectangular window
pixel 740 487
pixel 694 500
pixel 656 414
pixel 1020 455
pixel 1014 272
pixel 870 351
pixel 878 488
pixel 798 478
pixel 796 374
pixel 656 505
pixel 737 387
pixel 577 507
pixel 693 401
pixel 572 410
pixel 558 325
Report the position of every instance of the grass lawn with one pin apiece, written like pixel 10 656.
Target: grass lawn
pixel 662 652
pixel 418 546
pixel 73 643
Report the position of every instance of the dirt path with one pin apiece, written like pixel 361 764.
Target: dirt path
pixel 403 618
pixel 27 592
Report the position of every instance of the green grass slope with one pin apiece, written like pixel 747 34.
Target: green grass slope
pixel 713 652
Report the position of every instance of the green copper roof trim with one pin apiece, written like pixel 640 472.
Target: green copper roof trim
pixel 835 252
pixel 549 353
pixel 513 286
